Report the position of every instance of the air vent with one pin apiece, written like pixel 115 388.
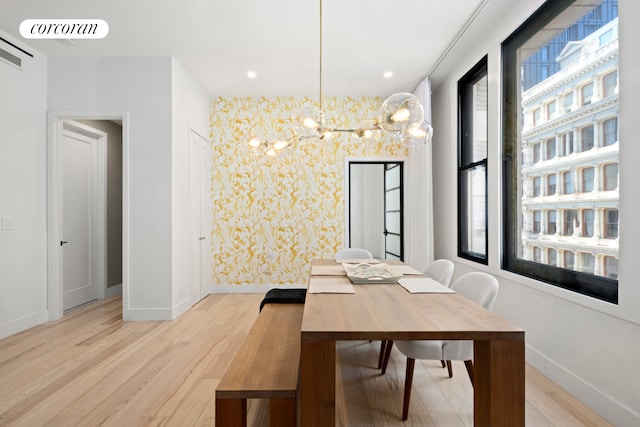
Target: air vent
pixel 10 58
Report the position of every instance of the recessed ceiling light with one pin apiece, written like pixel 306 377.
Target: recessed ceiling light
pixel 251 74
pixel 388 74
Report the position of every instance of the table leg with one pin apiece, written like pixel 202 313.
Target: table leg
pixel 498 378
pixel 318 383
pixel 231 412
pixel 282 412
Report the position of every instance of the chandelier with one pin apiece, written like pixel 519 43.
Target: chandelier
pixel 401 116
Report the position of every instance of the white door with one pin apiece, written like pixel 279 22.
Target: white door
pixel 78 161
pixel 199 216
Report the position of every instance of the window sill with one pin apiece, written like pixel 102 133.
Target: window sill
pixel 612 310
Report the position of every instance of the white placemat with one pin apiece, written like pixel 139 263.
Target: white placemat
pixel 330 285
pixel 328 270
pixel 424 285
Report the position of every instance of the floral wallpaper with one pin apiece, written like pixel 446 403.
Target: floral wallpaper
pixel 271 217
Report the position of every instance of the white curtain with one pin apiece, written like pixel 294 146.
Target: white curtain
pixel 419 195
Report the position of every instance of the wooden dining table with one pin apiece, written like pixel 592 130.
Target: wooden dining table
pixel 390 312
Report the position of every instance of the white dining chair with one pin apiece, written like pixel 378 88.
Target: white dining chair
pixel 479 287
pixel 353 253
pixel 440 270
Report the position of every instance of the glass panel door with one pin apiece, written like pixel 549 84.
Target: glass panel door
pixel 393 236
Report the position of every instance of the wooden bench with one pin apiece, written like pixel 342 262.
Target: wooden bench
pixel 265 367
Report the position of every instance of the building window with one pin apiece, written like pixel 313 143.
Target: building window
pixel 536 222
pixel 551 256
pixel 551 110
pixel 587 223
pixel 551 148
pixel 569 222
pixel 536 116
pixel 567 102
pixel 472 164
pixel 588 262
pixel 569 260
pixel 609 83
pixel 551 222
pixel 611 223
pixel 610 177
pixel 567 144
pixel 551 184
pixel 537 254
pixel 567 182
pixel 610 132
pixel 611 267
pixel 587 180
pixel 587 93
pixel 586 138
pixel 537 187
pixel 537 152
pixel 522 96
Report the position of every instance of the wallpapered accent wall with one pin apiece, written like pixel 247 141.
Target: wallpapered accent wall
pixel 272 217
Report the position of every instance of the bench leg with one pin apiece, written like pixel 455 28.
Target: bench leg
pixel 231 413
pixel 282 412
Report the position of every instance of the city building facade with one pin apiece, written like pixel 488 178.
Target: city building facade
pixel 569 172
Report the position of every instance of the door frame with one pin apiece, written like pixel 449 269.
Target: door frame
pixel 57 122
pixel 400 188
pixel 347 196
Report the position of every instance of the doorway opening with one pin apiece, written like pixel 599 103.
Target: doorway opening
pixel 86 224
pixel 375 214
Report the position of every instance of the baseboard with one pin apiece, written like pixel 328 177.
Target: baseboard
pixel 23 323
pixel 181 308
pixel 248 289
pixel 137 314
pixel 112 291
pixel 604 405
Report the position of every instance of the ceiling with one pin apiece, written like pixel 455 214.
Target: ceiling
pixel 219 41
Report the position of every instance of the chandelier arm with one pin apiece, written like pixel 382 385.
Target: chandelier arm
pixel 373 126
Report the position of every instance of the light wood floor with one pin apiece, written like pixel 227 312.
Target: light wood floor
pixel 91 369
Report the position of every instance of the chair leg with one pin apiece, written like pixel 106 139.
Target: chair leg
pixel 383 345
pixel 408 380
pixel 387 353
pixel 444 365
pixel 469 365
pixel 450 368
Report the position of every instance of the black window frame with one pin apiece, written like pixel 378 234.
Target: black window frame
pixel 466 164
pixel 603 288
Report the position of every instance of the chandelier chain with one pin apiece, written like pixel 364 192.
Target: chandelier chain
pixel 320 55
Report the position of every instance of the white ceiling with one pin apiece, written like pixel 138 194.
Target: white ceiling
pixel 219 41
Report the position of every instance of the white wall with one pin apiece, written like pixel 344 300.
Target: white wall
pixel 589 347
pixel 142 87
pixel 23 268
pixel 190 111
pixel 163 102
